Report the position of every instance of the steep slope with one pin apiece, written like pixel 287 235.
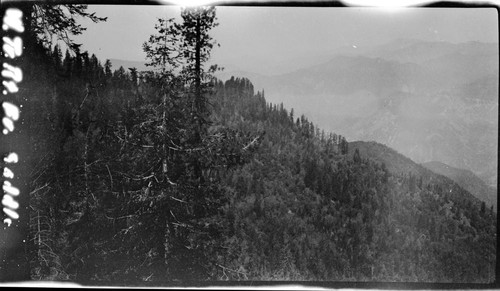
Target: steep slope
pixel 308 207
pixel 467 180
pixel 400 165
pixel 439 127
pixel 429 100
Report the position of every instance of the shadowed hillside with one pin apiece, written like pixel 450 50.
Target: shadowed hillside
pixel 467 180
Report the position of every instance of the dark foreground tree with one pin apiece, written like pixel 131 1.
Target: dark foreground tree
pixel 178 212
pixel 46 21
pixel 43 24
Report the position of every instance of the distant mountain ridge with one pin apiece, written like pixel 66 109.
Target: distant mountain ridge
pixel 432 101
pixel 429 100
pixel 399 164
pixel 417 51
pixel 467 180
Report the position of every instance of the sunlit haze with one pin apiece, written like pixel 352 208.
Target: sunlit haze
pixel 261 39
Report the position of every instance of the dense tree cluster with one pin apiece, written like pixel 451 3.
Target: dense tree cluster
pixel 308 207
pixel 128 169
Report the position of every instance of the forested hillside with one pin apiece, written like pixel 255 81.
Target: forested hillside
pixel 430 100
pixel 299 209
pixel 171 175
pixel 312 206
pixel 467 180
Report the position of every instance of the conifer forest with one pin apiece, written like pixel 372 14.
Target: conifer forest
pixel 173 175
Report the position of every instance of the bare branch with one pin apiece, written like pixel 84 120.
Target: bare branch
pixel 177 199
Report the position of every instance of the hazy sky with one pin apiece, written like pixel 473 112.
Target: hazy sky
pixel 250 35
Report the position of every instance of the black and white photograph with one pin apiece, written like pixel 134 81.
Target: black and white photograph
pixel 148 144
